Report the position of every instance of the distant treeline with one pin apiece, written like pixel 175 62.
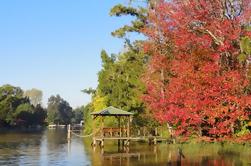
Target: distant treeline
pixel 20 108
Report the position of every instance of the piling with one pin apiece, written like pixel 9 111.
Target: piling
pixel 94 142
pixel 102 143
pixel 69 132
pixel 156 131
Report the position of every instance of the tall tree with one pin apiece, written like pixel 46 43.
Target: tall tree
pixel 59 111
pixel 119 81
pixel 35 96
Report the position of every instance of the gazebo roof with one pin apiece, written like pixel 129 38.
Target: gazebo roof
pixel 112 111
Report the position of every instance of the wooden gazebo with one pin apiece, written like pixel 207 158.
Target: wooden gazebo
pixel 106 132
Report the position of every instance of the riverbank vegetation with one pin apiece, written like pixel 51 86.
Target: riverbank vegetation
pixel 23 109
pixel 190 70
pixel 16 109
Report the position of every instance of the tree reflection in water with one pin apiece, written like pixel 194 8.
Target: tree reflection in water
pixel 172 155
pixel 18 149
pixel 51 147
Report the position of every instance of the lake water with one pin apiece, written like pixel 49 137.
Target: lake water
pixel 51 147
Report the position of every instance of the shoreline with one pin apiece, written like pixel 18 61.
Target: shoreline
pixel 22 129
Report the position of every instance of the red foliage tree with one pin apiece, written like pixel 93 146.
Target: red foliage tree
pixel 194 79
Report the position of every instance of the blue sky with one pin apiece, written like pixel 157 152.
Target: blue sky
pixel 54 45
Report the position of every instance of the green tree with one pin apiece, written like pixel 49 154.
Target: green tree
pixel 88 121
pixel 10 98
pixel 120 80
pixel 59 111
pixel 140 14
pixel 78 114
pixel 40 115
pixel 24 115
pixel 16 110
pixel 120 85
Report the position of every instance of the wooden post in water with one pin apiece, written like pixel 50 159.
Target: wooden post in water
pixel 144 131
pixel 128 143
pixel 69 132
pixel 156 131
pixel 139 132
pixel 102 143
pixel 94 142
pixel 156 134
pixel 154 140
pixel 171 133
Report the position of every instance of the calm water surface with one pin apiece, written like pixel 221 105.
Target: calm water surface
pixel 51 147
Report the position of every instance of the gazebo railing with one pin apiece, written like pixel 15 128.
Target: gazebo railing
pixel 115 132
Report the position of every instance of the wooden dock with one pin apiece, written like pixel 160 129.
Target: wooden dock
pixel 132 138
pixel 54 126
pixel 125 141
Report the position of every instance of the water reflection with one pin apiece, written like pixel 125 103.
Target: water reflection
pixel 51 147
pixel 172 155
pixel 15 149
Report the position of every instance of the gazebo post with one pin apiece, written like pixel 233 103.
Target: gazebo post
pixel 128 130
pixel 118 117
pixel 102 126
pixel 120 134
pixel 94 130
pixel 128 126
pixel 102 132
